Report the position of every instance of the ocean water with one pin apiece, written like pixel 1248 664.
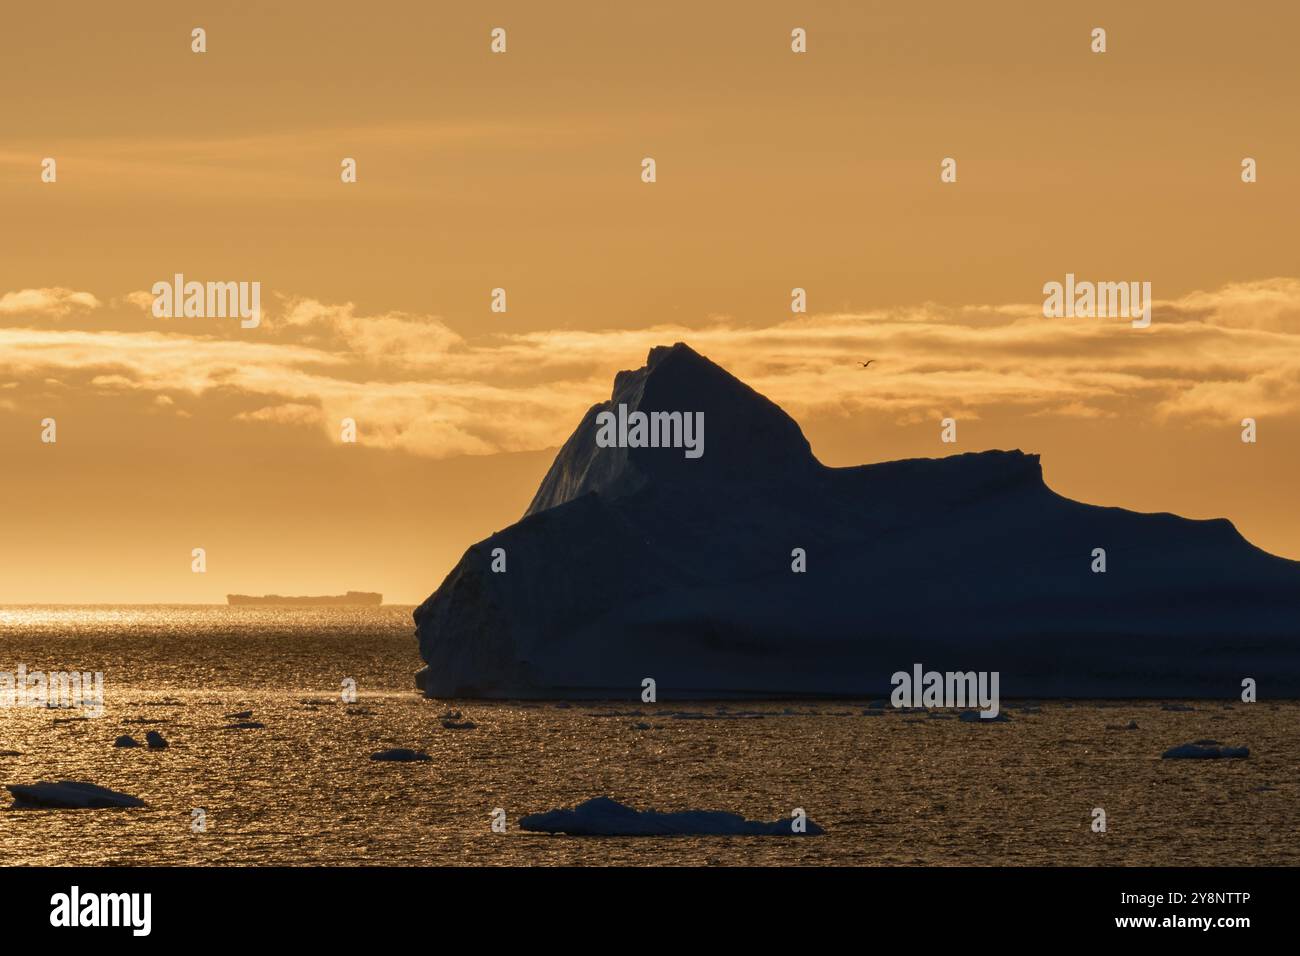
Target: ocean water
pixel 890 787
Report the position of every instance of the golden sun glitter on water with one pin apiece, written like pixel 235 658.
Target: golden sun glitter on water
pixel 891 787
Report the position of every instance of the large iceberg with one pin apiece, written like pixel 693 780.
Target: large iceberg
pixel 635 563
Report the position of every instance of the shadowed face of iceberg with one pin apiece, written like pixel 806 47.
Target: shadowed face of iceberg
pixel 652 428
pixel 639 429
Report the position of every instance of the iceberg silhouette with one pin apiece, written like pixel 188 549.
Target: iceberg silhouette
pixel 639 562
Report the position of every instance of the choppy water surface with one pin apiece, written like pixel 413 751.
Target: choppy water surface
pixel 890 787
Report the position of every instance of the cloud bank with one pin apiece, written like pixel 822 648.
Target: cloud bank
pixel 415 385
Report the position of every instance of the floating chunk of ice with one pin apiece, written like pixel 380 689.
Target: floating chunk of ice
pixel 603 816
pixel 70 795
pixel 402 755
pixel 1195 752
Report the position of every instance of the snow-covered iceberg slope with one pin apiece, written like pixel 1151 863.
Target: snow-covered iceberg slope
pixel 636 563
pixel 602 816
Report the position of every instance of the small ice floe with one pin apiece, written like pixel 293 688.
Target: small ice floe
pixel 603 816
pixel 699 715
pixel 459 725
pixel 70 795
pixel 1131 725
pixel 244 725
pixel 126 740
pixel 238 715
pixel 1177 708
pixel 401 755
pixel 155 740
pixel 1204 751
pixel 975 717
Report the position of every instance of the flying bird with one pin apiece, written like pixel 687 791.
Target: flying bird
pixel 866 363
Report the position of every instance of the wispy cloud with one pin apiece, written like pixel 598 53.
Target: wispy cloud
pixel 53 302
pixel 414 384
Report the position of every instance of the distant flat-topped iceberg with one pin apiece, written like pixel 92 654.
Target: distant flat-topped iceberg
pixel 602 816
pixel 636 562
pixel 351 599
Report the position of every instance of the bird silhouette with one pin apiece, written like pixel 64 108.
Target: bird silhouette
pixel 866 363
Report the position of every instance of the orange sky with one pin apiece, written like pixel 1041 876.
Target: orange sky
pixel 521 171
